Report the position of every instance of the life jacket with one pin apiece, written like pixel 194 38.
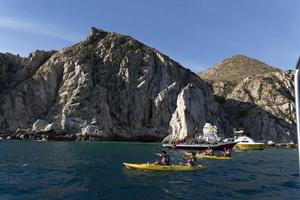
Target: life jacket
pixel 166 159
pixel 191 161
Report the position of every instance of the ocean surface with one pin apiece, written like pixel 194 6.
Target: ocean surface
pixel 93 170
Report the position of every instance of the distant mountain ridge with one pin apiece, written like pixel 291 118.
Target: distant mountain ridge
pixel 236 68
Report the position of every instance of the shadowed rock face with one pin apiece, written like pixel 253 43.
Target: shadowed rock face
pixel 256 97
pixel 109 85
pixel 15 69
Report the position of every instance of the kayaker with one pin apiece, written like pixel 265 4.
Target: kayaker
pixel 209 151
pixel 227 152
pixel 192 159
pixel 164 158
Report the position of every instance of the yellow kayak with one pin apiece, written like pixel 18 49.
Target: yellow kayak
pixel 152 167
pixel 209 157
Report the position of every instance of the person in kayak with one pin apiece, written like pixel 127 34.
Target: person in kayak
pixel 164 158
pixel 209 151
pixel 226 152
pixel 192 159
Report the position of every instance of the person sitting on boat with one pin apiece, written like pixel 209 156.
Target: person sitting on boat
pixel 227 152
pixel 192 159
pixel 209 151
pixel 164 158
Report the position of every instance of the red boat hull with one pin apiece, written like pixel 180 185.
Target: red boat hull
pixel 201 147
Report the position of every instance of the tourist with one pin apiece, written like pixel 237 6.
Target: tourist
pixel 164 158
pixel 227 152
pixel 192 159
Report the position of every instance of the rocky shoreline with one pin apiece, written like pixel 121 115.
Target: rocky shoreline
pixel 284 146
pixel 24 134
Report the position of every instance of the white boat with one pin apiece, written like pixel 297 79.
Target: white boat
pixel 247 143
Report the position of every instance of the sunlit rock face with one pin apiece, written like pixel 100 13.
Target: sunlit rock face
pixel 109 85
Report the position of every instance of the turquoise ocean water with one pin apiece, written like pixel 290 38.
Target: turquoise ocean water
pixel 93 170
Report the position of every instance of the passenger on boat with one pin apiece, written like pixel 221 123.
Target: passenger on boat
pixel 164 158
pixel 227 152
pixel 192 159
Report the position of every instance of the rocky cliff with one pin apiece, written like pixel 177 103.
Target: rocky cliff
pixel 255 97
pixel 110 86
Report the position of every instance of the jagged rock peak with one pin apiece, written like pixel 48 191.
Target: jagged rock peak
pixel 236 68
pixel 95 30
pixel 96 33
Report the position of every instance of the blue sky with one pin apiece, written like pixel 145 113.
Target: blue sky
pixel 196 33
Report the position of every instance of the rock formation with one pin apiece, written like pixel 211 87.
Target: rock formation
pixel 108 85
pixel 112 87
pixel 255 97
